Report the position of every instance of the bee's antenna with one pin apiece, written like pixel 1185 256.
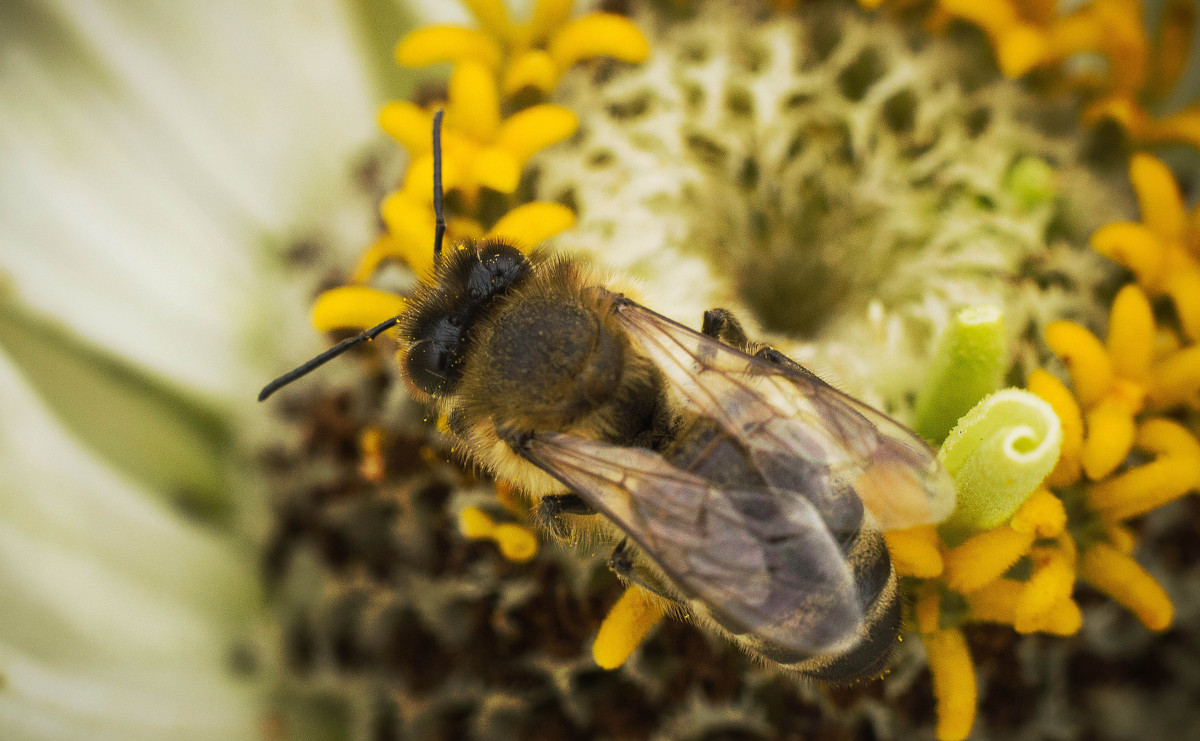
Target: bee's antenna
pixel 439 228
pixel 439 231
pixel 325 357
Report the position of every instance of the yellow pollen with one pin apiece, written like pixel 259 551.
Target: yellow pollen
pixel 516 543
pixel 626 626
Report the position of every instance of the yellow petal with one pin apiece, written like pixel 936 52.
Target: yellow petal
pixel 456 165
pixel 1085 358
pixel 929 609
pixel 953 683
pixel 1175 380
pixel 530 224
pixel 475 524
pixel 493 16
pixel 495 168
pixel 915 551
pixel 1038 12
pixel 372 465
pixel 1131 334
pixel 984 558
pixel 1020 49
pixel 354 307
pixel 410 224
pixel 625 627
pixel 1167 437
pixel 534 69
pixel 1051 584
pixel 516 542
pixel 1172 46
pixel 598 35
pixel 1183 286
pixel 1110 433
pixel 994 16
pixel 997 603
pixel 437 44
pixel 1158 196
pixel 1182 127
pixel 547 16
pixel 1042 514
pixel 408 124
pixel 1135 246
pixel 1120 537
pixel 1058 396
pixel 535 128
pixel 1174 473
pixel 474 107
pixel 1062 619
pixel 1128 583
pixel 1144 488
pixel 1122 110
pixel 381 250
pixel 1112 28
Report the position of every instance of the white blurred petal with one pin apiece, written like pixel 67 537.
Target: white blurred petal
pixel 152 150
pixel 119 616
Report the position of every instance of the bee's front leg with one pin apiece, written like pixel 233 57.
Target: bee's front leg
pixel 551 508
pixel 626 568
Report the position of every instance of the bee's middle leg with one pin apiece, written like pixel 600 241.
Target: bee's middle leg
pixel 551 508
pixel 721 324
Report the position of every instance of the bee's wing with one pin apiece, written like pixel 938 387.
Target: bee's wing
pixel 774 410
pixel 782 578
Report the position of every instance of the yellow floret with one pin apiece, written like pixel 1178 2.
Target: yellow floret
pixel 915 551
pixel 953 683
pixel 1124 580
pixel 354 307
pixel 1174 472
pixel 1042 514
pixel 983 558
pixel 1085 357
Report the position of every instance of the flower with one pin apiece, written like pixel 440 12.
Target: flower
pixel 715 151
pixel 158 166
pixel 531 55
pixel 853 186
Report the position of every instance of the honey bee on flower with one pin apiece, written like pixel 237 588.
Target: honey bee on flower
pixel 970 217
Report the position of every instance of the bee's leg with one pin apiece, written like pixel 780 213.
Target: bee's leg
pixel 622 563
pixel 773 356
pixel 721 324
pixel 550 509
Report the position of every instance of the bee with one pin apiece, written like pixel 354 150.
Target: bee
pixel 737 485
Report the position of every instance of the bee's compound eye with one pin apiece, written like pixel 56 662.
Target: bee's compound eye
pixel 433 362
pixel 500 265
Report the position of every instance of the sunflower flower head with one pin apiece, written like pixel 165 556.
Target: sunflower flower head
pixel 924 221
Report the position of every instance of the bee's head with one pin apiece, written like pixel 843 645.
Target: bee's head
pixel 437 328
